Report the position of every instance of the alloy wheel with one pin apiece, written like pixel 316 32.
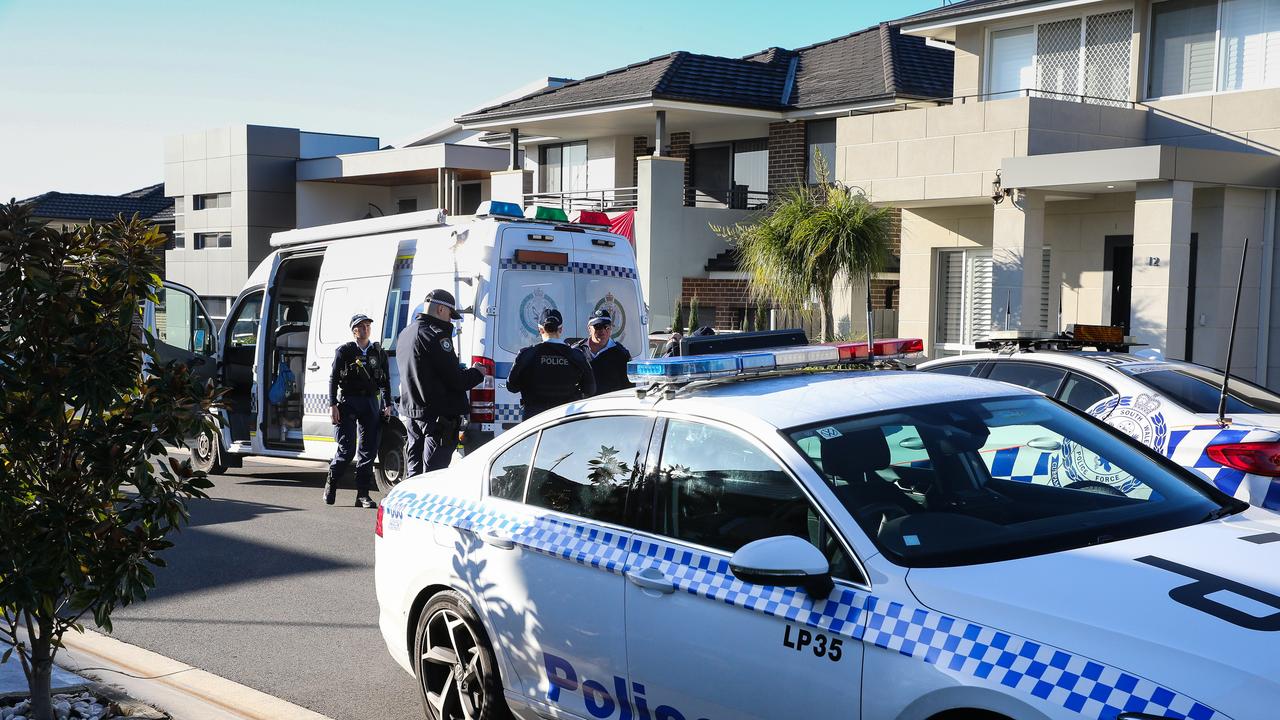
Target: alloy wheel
pixel 450 668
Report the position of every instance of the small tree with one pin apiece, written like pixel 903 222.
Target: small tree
pixel 80 421
pixel 677 317
pixel 693 314
pixel 806 238
pixel 762 313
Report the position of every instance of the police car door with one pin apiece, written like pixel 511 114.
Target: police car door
pixel 702 644
pixel 550 574
pixel 355 277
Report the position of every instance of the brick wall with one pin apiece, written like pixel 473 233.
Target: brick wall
pixel 884 294
pixel 786 154
pixel 721 303
pixel 640 147
pixel 680 142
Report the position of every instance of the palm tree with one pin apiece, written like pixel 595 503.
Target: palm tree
pixel 806 238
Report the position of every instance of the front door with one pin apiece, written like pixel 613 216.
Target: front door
pixel 1119 261
pixel 549 571
pixel 702 644
pixel 183 330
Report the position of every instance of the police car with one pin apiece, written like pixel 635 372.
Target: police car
pixel 750 540
pixel 1168 405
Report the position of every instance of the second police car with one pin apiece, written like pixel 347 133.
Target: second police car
pixel 1168 405
pixel 748 541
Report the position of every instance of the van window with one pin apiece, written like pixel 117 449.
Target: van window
pixel 618 296
pixel 523 294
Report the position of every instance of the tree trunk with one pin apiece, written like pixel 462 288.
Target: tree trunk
pixel 41 674
pixel 827 334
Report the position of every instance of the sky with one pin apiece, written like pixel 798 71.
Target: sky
pixel 89 90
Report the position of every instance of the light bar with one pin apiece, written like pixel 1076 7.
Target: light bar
pixel 498 208
pixel 591 217
pixel 759 362
pixel 542 212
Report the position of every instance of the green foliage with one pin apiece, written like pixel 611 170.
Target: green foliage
pixel 807 237
pixel 84 508
pixel 762 313
pixel 693 314
pixel 677 317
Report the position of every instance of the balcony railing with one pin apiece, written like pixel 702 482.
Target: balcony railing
pixel 606 200
pixel 1002 95
pixel 736 198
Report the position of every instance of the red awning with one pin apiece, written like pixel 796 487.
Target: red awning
pixel 624 224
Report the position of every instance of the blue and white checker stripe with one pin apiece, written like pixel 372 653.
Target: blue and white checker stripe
pixel 582 268
pixel 508 412
pixel 1187 447
pixel 1076 683
pixel 315 404
pixel 1021 464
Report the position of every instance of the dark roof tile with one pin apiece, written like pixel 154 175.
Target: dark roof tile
pixel 146 202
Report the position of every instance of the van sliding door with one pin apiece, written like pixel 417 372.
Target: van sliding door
pixel 355 277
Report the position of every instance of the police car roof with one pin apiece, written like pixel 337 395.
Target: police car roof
pixel 785 401
pixel 1079 359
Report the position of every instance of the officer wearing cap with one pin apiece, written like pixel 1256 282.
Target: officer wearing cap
pixel 608 359
pixel 359 391
pixel 550 373
pixel 433 387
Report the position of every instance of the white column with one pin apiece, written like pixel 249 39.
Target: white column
pixel 1017 245
pixel 508 185
pixel 1161 267
pixel 659 221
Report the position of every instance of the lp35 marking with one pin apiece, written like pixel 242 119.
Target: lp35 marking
pixel 822 644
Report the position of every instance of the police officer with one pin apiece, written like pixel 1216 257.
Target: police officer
pixel 550 373
pixel 608 359
pixel 433 387
pixel 361 373
pixel 671 348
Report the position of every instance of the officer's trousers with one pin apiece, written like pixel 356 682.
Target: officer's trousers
pixel 358 416
pixel 431 444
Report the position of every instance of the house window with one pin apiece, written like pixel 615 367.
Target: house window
pixel 1250 31
pixel 212 240
pixel 407 205
pixel 564 167
pixel 217 307
pixel 964 299
pixel 1205 45
pixel 820 138
pixel 177 241
pixel 211 201
pixel 1087 55
pixel 733 174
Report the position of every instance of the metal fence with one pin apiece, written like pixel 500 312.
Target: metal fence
pixel 606 200
pixel 737 198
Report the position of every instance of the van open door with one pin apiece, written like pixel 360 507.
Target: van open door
pixel 355 277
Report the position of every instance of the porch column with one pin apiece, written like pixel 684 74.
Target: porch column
pixel 441 193
pixel 1161 267
pixel 508 185
pixel 1017 245
pixel 514 157
pixel 659 132
pixel 659 229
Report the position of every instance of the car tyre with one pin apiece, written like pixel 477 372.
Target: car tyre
pixel 206 453
pixel 454 662
pixel 391 466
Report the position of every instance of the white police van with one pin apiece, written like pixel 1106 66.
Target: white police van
pixel 275 350
pixel 749 540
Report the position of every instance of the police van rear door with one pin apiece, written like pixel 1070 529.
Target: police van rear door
pixel 604 276
pixel 355 277
pixel 534 273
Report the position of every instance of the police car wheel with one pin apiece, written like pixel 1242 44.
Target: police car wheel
pixel 206 456
pixel 390 468
pixel 454 661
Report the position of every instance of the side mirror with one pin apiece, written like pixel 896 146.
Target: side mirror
pixel 785 560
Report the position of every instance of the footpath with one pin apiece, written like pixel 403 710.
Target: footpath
pixel 141 684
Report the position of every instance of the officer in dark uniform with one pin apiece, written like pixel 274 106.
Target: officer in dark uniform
pixel 608 359
pixel 433 386
pixel 362 374
pixel 550 373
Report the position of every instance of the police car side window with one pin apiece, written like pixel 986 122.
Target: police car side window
pixel 965 369
pixel 1081 392
pixel 585 467
pixel 1029 375
pixel 716 489
pixel 510 470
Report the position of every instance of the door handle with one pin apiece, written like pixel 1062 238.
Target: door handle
pixel 491 538
pixel 651 578
pixel 313 366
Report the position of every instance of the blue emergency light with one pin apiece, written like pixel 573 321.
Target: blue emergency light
pixel 499 208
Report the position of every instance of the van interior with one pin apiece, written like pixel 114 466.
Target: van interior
pixel 286 352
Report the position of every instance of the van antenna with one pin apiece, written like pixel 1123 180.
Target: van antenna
pixel 1231 339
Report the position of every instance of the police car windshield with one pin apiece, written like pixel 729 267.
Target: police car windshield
pixel 1198 388
pixel 980 481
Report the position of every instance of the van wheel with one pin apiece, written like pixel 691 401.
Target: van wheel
pixel 390 469
pixel 206 454
pixel 456 668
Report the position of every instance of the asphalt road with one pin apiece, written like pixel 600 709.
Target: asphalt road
pixel 273 589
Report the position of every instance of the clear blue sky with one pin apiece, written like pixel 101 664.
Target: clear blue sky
pixel 90 89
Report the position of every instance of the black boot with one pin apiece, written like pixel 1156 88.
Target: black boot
pixel 330 488
pixel 364 501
